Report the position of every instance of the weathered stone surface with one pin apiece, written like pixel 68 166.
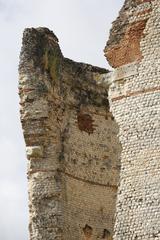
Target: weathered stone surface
pixel 135 104
pixel 123 46
pixel 128 49
pixel 35 151
pixel 72 143
pixel 92 136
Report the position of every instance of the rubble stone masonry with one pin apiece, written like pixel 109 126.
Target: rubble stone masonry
pixel 71 140
pixel 93 136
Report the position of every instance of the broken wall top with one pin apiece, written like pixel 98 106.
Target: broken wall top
pixel 123 46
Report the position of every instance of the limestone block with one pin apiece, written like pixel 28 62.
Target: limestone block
pixel 34 151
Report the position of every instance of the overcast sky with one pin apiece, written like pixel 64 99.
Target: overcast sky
pixel 82 27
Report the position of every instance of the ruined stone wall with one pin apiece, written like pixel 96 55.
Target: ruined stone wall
pixel 91 151
pixel 134 50
pixel 72 115
pixel 71 143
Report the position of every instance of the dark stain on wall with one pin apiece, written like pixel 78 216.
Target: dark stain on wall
pixel 87 232
pixel 106 235
pixel 85 123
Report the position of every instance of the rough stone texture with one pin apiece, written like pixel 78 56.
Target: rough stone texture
pixel 135 104
pixel 72 145
pixel 85 127
pixel 123 46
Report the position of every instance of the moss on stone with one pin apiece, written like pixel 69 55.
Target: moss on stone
pixel 51 62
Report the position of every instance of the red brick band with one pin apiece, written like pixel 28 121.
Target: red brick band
pixel 149 90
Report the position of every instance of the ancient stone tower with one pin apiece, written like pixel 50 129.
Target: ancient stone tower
pixel 93 136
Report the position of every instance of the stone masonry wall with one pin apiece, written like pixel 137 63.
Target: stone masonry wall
pixel 135 103
pixel 71 143
pixel 92 134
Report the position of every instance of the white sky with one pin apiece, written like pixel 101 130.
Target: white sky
pixel 82 27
